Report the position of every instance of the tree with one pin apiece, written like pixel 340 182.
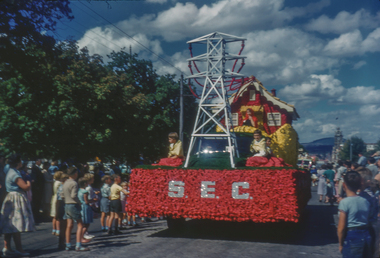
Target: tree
pixel 26 70
pixel 161 116
pixel 57 101
pixel 358 146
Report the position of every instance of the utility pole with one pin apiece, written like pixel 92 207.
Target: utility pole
pixel 181 109
pixel 351 151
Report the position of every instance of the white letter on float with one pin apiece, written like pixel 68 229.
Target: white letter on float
pixel 205 190
pixel 176 186
pixel 235 190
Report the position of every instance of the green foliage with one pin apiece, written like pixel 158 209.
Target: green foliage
pixel 358 146
pixel 153 122
pixel 57 101
pixel 26 71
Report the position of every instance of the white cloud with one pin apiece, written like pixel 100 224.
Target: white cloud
pixel 351 122
pixel 359 64
pixel 157 1
pixel 371 43
pixel 346 44
pixel 318 87
pixel 352 44
pixel 369 110
pixel 344 22
pixel 187 20
pixel 275 55
pixel 360 95
pixel 326 87
pixel 103 40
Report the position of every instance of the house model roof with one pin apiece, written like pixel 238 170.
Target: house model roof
pixel 252 81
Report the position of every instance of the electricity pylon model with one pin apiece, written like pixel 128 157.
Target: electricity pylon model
pixel 213 104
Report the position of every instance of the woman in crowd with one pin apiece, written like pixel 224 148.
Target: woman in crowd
pixel 16 211
pixel 322 182
pixel 48 187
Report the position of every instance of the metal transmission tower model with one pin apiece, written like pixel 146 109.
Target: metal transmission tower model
pixel 213 103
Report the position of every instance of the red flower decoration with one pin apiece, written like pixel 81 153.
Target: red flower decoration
pixel 261 195
pixel 171 162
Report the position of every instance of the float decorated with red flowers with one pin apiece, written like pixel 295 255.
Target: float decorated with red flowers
pixel 259 195
pixel 244 170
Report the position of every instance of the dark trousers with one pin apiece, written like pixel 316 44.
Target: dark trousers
pixel 62 233
pixel 357 244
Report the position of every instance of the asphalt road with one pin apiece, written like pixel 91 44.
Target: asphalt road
pixel 314 236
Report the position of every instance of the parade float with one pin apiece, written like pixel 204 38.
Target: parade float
pixel 219 179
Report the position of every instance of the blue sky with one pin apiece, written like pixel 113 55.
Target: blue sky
pixel 322 56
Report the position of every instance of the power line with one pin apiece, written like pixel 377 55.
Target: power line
pixel 99 35
pixel 87 36
pixel 153 53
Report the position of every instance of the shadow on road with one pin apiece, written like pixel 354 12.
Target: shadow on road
pixel 316 227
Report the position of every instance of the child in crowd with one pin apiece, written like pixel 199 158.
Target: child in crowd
pixel 105 202
pixel 73 210
pixel 130 215
pixel 86 211
pixel 329 192
pixel 314 177
pixel 115 205
pixel 353 233
pixel 175 156
pixel 123 199
pixel 92 197
pixel 366 193
pixel 57 182
pixel 60 213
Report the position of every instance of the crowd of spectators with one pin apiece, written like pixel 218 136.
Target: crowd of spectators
pixel 355 187
pixel 33 191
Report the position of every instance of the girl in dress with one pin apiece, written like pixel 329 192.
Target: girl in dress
pixel 322 183
pixel 123 199
pixel 105 202
pixel 57 182
pixel 130 215
pixel 175 156
pixel 60 213
pixel 86 212
pixel 92 198
pixel 16 212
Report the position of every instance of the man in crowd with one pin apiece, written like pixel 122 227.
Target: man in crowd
pixel 362 160
pixel 38 183
pixel 371 166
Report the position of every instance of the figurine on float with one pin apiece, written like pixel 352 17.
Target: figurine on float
pixel 262 157
pixel 250 119
pixel 258 146
pixel 175 156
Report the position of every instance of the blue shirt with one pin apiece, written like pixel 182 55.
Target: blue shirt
pixel 373 203
pixel 81 193
pixel 105 191
pixel 356 209
pixel 6 168
pixel 10 181
pixel 60 193
pixel 53 169
pixel 362 161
